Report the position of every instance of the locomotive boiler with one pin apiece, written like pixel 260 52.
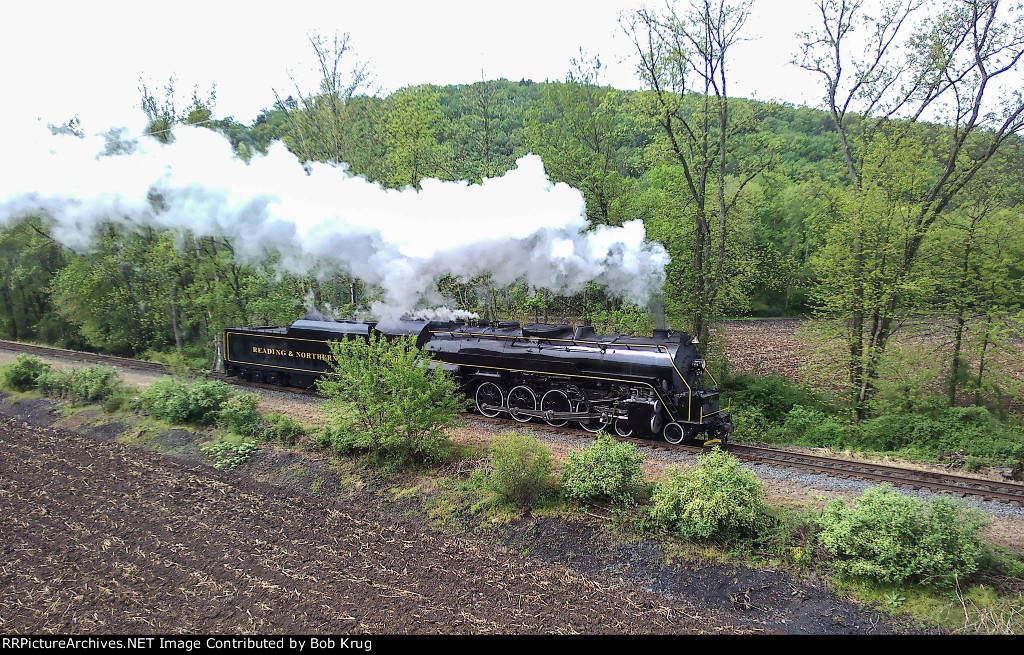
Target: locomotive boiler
pixel 559 374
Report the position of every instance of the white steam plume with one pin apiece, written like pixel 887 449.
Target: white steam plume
pixel 444 314
pixel 518 226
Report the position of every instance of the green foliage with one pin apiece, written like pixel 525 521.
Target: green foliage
pixel 281 428
pixel 626 320
pixel 719 500
pixel 238 414
pixel 117 402
pixel 175 401
pixel 888 537
pixel 28 260
pixel 752 425
pixel 180 364
pixel 89 384
pixel 386 392
pixel 773 395
pixel 412 125
pixel 345 438
pixel 604 471
pixel 522 468
pixel 23 374
pixel 229 455
pixel 938 430
pixel 807 426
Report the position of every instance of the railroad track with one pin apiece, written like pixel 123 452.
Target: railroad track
pixel 1007 492
pixel 79 356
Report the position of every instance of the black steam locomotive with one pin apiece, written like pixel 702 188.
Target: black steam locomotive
pixel 643 386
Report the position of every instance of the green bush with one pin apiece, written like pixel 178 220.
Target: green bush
pixel 344 440
pixel 719 500
pixel 205 398
pixel 751 424
pixel 384 391
pixel 606 470
pixel 773 395
pixel 282 428
pixel 972 431
pixel 166 399
pixel 117 402
pixel 89 384
pixel 522 468
pixel 172 400
pixel 23 374
pixel 808 426
pixel 888 537
pixel 238 414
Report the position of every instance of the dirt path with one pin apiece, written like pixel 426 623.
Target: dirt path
pixel 103 537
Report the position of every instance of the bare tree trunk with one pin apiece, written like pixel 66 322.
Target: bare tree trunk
pixel 981 364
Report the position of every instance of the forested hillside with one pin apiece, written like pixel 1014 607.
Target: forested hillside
pixel 864 216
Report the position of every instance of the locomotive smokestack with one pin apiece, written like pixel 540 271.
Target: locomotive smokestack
pixel 660 333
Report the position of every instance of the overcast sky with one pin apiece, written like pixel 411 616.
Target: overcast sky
pixel 64 58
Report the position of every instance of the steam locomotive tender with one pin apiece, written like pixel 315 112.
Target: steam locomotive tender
pixel 636 386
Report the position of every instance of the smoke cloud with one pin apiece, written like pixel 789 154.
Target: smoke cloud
pixel 519 226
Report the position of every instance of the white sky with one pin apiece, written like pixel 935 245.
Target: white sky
pixel 66 58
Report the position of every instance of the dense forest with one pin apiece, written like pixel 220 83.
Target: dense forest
pixel 899 199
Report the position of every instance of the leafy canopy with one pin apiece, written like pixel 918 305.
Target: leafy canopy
pixel 386 397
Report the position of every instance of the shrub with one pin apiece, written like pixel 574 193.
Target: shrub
pixel 89 384
pixel 719 500
pixel 170 399
pixel 205 398
pixel 810 427
pixel 774 395
pixel 606 470
pixel 238 414
pixel 888 537
pixel 117 402
pixel 751 424
pixel 282 428
pixel 54 383
pixel 970 430
pixel 522 468
pixel 384 390
pixel 23 374
pixel 166 399
pixel 344 441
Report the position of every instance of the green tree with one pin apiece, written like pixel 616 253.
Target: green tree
pixel 578 130
pixel 385 396
pixel 412 127
pixel 683 63
pixel 163 114
pixel 29 260
pixel 903 175
pixel 319 123
pixel 974 263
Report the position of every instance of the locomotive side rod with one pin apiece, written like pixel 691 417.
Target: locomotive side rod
pixel 547 415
